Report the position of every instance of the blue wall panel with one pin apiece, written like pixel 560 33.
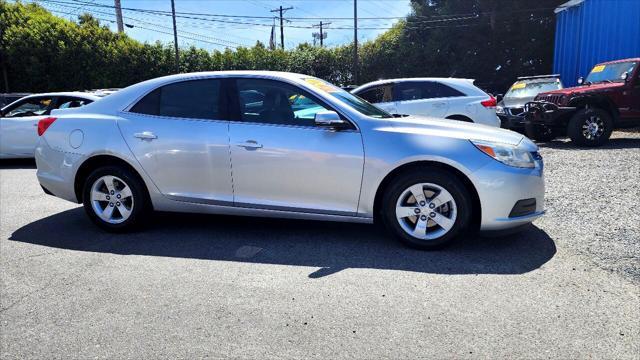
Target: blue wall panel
pixel 595 31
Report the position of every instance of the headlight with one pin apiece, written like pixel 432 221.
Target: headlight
pixel 506 154
pixel 500 110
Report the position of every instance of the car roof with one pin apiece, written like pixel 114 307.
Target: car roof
pixel 460 81
pixel 536 77
pixel 125 97
pixel 79 94
pixel 185 76
pixel 619 61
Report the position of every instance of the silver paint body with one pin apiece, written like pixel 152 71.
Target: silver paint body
pixel 232 167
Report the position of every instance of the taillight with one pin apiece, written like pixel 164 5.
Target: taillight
pixel 490 103
pixel 44 124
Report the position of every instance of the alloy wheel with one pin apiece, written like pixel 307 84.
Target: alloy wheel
pixel 111 199
pixel 593 127
pixel 426 211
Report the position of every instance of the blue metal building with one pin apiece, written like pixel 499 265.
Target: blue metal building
pixel 593 31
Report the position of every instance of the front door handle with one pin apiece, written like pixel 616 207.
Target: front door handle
pixel 250 145
pixel 146 135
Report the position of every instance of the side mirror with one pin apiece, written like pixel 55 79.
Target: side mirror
pixel 580 80
pixel 625 76
pixel 329 119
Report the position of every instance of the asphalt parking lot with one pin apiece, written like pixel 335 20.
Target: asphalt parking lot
pixel 215 286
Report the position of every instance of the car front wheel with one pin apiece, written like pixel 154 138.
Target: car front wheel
pixel 590 127
pixel 539 132
pixel 115 199
pixel 427 208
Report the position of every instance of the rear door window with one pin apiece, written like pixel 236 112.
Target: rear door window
pixel 196 99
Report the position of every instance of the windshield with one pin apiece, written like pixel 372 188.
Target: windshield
pixel 355 102
pixel 610 72
pixel 523 89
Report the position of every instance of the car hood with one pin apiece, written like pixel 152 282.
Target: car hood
pixel 420 125
pixel 515 101
pixel 585 88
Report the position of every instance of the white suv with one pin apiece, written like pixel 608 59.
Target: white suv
pixel 455 99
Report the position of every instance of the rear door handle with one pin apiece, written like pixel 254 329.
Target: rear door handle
pixel 439 104
pixel 146 135
pixel 250 145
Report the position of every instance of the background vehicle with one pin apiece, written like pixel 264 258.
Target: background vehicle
pixel 455 99
pixel 18 120
pixel 510 108
pixel 8 98
pixel 296 145
pixel 608 98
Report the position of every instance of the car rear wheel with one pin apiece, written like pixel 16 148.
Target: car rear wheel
pixel 590 127
pixel 115 199
pixel 426 209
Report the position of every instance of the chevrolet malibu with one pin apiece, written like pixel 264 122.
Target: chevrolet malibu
pixel 286 145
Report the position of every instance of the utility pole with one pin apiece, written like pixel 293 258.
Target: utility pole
pixel 281 10
pixel 175 35
pixel 322 35
pixel 355 42
pixel 119 15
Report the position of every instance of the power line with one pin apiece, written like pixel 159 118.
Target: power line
pixel 150 29
pixel 215 40
pixel 293 18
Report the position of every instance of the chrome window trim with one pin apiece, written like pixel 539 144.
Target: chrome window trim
pixel 222 77
pixel 174 117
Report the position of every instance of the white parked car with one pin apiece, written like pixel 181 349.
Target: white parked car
pixel 19 120
pixel 455 99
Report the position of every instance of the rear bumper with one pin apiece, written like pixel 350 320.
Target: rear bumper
pixel 55 172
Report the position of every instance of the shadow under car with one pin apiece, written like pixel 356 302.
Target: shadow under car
pixel 329 246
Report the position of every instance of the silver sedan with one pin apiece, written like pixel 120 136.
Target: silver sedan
pixel 285 145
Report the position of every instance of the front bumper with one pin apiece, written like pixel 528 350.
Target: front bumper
pixel 501 187
pixel 543 113
pixel 511 122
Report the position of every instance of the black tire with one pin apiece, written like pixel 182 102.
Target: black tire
pixel 442 178
pixel 578 128
pixel 539 132
pixel 140 208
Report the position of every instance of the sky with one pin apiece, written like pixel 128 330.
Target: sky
pixel 238 23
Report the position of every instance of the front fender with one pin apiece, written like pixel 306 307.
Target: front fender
pixel 381 160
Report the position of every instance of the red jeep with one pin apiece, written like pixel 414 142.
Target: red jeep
pixel 608 98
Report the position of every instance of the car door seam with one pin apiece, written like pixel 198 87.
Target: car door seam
pixel 233 190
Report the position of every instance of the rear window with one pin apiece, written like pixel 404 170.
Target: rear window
pixel 417 90
pixel 197 99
